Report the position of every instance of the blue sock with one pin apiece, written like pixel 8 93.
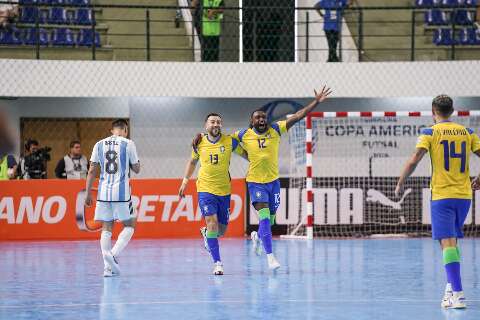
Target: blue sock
pixel 212 240
pixel 451 260
pixel 264 229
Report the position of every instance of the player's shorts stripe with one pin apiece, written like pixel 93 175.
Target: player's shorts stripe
pixel 427 131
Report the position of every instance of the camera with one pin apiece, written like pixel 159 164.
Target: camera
pixel 36 163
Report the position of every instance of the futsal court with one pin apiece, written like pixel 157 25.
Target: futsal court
pixel 171 279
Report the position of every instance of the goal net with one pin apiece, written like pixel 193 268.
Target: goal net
pixel 344 167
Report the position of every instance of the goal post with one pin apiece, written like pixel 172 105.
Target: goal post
pixel 344 167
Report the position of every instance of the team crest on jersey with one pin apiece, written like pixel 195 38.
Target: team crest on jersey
pixel 268 135
pixel 222 149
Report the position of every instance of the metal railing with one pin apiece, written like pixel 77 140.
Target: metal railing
pixel 255 33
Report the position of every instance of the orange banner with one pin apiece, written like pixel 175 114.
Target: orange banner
pixel 53 209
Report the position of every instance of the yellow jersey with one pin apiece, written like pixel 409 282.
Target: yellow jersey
pixel 262 150
pixel 213 176
pixel 449 145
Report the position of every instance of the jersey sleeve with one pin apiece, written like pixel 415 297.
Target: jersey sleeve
pixel 475 142
pixel 195 154
pixel 425 139
pixel 237 148
pixel 95 156
pixel 132 153
pixel 282 125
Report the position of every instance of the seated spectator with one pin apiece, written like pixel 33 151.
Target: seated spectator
pixel 8 14
pixel 74 165
pixel 8 167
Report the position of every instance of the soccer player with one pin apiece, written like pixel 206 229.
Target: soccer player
pixel 115 156
pixel 449 145
pixel 214 151
pixel 261 142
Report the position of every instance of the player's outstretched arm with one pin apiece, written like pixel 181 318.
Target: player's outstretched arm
pixel 409 168
pixel 92 174
pixel 189 169
pixel 302 113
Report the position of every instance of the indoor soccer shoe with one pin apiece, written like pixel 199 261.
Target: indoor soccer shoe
pixel 455 301
pixel 218 269
pixel 273 263
pixel 257 243
pixel 112 261
pixel 107 273
pixel 448 293
pixel 203 232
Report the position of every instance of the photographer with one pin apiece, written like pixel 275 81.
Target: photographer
pixel 34 164
pixel 74 165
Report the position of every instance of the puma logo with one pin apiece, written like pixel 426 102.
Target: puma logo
pixel 376 196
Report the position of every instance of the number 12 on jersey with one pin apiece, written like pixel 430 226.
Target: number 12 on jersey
pixel 449 151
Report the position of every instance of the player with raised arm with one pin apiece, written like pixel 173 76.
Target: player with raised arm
pixel 115 156
pixel 449 145
pixel 214 151
pixel 262 141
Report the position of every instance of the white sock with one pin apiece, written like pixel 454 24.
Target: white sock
pixel 122 241
pixel 105 244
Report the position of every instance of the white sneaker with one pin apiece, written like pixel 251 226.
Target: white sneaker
pixel 273 263
pixel 455 301
pixel 112 261
pixel 203 232
pixel 218 269
pixel 257 243
pixel 447 294
pixel 107 272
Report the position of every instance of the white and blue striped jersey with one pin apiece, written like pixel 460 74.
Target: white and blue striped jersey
pixel 114 154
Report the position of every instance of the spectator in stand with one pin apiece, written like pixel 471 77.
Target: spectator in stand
pixel 74 165
pixel 8 14
pixel 332 23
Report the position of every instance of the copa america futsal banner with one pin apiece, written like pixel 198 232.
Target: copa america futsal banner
pixel 54 209
pixel 356 162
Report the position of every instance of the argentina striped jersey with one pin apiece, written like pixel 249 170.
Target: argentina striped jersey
pixel 114 154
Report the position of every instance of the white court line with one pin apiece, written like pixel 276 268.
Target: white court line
pixel 81 305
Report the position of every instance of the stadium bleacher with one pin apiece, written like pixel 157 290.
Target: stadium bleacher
pixel 452 26
pixel 52 17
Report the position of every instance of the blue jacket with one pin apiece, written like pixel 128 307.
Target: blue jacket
pixel 332 19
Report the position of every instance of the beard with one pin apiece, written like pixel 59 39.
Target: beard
pixel 215 132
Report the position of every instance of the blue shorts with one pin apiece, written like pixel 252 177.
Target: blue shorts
pixel 448 216
pixel 265 192
pixel 211 204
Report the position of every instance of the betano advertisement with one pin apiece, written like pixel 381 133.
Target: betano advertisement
pixel 53 209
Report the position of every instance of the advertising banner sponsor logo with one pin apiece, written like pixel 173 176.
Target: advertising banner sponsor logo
pixel 53 209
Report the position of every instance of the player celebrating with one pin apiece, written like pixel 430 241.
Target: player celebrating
pixel 115 156
pixel 449 145
pixel 214 151
pixel 262 141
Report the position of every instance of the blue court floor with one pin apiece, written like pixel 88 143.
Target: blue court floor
pixel 171 279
